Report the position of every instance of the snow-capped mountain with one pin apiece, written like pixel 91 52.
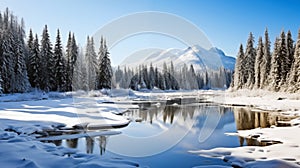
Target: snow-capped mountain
pixel 196 55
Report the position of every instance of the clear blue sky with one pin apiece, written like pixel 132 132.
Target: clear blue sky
pixel 226 23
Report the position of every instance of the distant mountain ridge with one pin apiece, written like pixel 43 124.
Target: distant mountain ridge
pixel 201 58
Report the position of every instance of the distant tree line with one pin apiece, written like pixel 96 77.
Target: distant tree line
pixel 259 68
pixel 37 64
pixel 167 78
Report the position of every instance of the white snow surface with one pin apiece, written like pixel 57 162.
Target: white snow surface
pixel 30 113
pixel 23 116
pixel 278 155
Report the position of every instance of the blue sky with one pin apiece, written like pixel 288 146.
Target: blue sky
pixel 226 23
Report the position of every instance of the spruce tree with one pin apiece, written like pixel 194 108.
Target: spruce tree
pixel 290 52
pixel 68 62
pixel 151 77
pixel 258 63
pixel 250 61
pixel 192 78
pixel 105 70
pixel 71 58
pixel 283 59
pixel 238 71
pixel 7 55
pixel 21 82
pixel 59 66
pixel 47 79
pixel 74 55
pixel 275 73
pixel 294 77
pixel 30 49
pixel 266 62
pixel 91 64
pixel 35 65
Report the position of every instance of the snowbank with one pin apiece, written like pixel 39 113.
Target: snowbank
pixel 261 99
pixel 285 154
pixel 18 151
pixel 24 118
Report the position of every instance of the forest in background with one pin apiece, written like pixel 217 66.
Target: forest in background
pixel 31 64
pixel 259 68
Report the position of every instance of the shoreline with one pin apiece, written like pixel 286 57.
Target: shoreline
pixel 285 154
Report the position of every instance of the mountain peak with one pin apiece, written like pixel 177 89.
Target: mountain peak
pixel 198 56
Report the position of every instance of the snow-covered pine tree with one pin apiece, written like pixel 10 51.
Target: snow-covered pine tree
pixel 71 58
pixel 47 63
pixel 258 63
pixel 192 78
pixel 290 54
pixel 35 64
pixel 117 76
pixel 68 62
pixel 21 82
pixel 206 81
pixel 59 66
pixel 238 71
pixel 124 79
pixel 283 59
pixel 222 78
pixel 105 71
pixel 294 77
pixel 30 49
pixel 184 80
pixel 156 77
pixel 275 72
pixel 91 63
pixel 266 62
pixel 151 77
pixel 166 76
pixel 146 76
pixel 80 76
pixel 7 55
pixel 161 82
pixel 290 48
pixel 250 61
pixel 74 55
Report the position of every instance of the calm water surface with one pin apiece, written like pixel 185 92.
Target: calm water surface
pixel 151 126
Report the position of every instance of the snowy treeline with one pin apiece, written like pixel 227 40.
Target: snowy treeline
pixel 169 78
pixel 13 52
pixel 259 68
pixel 39 64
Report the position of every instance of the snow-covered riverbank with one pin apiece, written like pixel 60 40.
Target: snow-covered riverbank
pixel 285 154
pixel 25 117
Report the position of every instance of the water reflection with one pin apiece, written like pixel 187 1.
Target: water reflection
pixel 101 142
pixel 89 144
pixel 156 119
pixel 255 142
pixel 148 112
pixel 246 119
pixel 72 143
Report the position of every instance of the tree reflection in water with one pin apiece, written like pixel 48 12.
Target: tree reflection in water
pixel 102 144
pixel 246 119
pixel 72 143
